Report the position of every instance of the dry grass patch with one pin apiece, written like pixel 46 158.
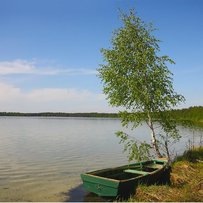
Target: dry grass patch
pixel 186 184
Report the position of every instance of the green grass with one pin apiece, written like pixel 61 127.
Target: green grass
pixel 192 155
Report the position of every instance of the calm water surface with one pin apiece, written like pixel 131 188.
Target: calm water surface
pixel 41 158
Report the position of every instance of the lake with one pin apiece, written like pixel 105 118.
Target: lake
pixel 41 158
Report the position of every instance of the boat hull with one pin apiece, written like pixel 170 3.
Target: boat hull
pixel 122 181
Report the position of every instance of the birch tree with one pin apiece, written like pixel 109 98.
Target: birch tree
pixel 136 78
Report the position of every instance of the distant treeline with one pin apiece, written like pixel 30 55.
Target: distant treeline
pixel 61 114
pixel 192 114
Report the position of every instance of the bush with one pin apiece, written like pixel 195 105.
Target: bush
pixel 192 155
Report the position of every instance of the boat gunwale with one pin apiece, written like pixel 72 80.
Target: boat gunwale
pixel 129 179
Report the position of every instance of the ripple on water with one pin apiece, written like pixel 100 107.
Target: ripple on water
pixel 41 158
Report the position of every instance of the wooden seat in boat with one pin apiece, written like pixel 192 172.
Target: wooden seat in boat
pixel 136 171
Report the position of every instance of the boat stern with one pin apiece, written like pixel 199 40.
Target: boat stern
pixel 100 186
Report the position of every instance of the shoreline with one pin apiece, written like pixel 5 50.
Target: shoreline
pixel 186 183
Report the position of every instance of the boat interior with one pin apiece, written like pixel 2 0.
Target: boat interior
pixel 131 171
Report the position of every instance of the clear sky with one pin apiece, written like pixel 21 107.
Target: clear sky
pixel 50 50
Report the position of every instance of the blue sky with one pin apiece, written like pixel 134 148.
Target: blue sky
pixel 50 50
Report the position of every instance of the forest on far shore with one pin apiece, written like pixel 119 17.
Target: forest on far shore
pixel 192 114
pixel 61 114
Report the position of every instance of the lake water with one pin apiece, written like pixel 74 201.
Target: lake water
pixel 41 158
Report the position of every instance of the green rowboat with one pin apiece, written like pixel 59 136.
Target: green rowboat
pixel 122 181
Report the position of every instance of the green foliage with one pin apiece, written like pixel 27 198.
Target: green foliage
pixel 136 150
pixel 192 155
pixel 190 116
pixel 136 78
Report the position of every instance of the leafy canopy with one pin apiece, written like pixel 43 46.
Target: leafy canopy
pixel 136 78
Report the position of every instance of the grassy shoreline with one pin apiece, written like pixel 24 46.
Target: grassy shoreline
pixel 186 181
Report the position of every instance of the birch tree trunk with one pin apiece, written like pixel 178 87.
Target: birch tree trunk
pixel 153 135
